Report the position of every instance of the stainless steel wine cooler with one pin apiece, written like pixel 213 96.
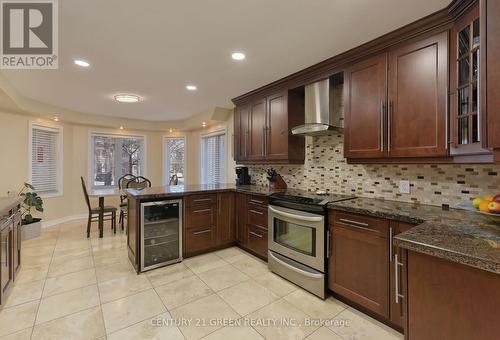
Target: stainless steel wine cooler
pixel 161 233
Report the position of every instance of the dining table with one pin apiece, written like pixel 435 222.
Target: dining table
pixel 101 194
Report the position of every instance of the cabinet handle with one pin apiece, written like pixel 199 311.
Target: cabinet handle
pixel 201 211
pixel 202 199
pixel 446 113
pixel 328 243
pixel 256 201
pixel 202 232
pixel 389 122
pixel 397 264
pixel 390 244
pixel 345 220
pixel 382 125
pixel 263 141
pixel 219 205
pixel 256 212
pixel 255 234
pixel 357 225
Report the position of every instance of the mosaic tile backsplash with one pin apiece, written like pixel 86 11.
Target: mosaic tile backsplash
pixel 326 168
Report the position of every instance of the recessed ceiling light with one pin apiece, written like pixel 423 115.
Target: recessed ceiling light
pixel 238 56
pixel 191 87
pixel 170 130
pixel 127 98
pixel 81 63
pixel 121 127
pixel 56 119
pixel 204 124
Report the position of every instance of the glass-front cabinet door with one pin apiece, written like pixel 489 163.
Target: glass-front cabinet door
pixel 466 125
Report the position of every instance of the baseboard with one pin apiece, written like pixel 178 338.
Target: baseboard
pixel 50 223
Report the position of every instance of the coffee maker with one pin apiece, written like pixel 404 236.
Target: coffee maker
pixel 242 176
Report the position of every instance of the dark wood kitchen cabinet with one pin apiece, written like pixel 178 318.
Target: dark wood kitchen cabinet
pixel 417 98
pixel 396 104
pixel 262 129
pixel 475 84
pixel 397 280
pixel 257 130
pixel 358 265
pixel 16 243
pixel 448 300
pixel 209 222
pixel 251 212
pixel 226 222
pixel 365 86
pixel 6 272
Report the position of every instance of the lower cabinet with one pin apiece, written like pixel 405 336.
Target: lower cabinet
pixel 16 243
pixel 448 300
pixel 257 240
pixel 6 273
pixel 365 268
pixel 252 224
pixel 10 249
pixel 358 267
pixel 209 222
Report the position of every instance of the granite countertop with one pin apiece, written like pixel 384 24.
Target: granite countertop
pixel 7 203
pixel 181 190
pixel 457 235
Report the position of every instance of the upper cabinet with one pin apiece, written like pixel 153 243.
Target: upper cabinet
pixel 426 93
pixel 262 129
pixel 473 84
pixel 396 102
pixel 365 101
pixel 417 98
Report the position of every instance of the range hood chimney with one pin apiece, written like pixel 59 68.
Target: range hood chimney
pixel 323 108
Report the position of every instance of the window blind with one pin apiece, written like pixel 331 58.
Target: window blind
pixel 213 159
pixel 175 157
pixel 44 160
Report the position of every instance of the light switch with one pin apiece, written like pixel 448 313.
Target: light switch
pixel 404 187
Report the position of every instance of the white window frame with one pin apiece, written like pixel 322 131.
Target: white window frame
pixel 164 158
pixel 59 156
pixel 226 146
pixel 108 133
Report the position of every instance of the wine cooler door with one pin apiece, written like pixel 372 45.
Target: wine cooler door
pixel 161 233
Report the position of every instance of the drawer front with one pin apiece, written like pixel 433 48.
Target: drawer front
pixel 257 240
pixel 198 216
pixel 360 223
pixel 257 215
pixel 196 201
pixel 256 199
pixel 198 239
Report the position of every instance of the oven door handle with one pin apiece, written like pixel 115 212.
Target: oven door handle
pixel 297 217
pixel 297 270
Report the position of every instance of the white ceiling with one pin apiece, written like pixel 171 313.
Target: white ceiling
pixel 155 47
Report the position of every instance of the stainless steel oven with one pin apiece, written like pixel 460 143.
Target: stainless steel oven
pixel 297 247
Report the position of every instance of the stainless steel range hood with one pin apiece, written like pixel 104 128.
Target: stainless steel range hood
pixel 323 108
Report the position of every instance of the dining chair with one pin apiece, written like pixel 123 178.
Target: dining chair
pixel 139 183
pixel 174 180
pixel 122 183
pixel 109 211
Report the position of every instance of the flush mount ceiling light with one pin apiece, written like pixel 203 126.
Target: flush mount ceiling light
pixel 204 124
pixel 238 56
pixel 127 98
pixel 191 87
pixel 81 63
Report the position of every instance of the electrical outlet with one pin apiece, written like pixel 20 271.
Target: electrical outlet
pixel 404 187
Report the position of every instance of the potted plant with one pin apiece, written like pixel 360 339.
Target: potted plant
pixel 32 227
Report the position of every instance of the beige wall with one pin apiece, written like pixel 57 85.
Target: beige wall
pixel 14 164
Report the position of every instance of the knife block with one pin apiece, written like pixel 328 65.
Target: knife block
pixel 278 183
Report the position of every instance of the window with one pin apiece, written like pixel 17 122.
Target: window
pixel 114 156
pixel 46 159
pixel 213 158
pixel 175 149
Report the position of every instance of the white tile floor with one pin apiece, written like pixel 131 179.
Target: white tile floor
pixel 71 287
